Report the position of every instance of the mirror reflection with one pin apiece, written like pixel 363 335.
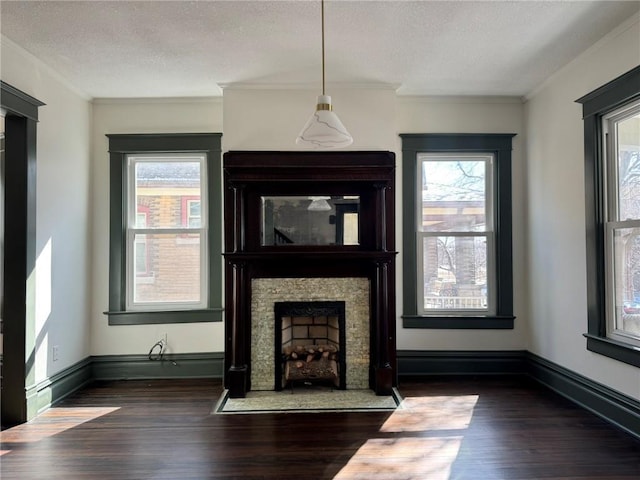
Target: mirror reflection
pixel 310 220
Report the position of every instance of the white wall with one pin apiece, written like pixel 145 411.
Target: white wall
pixel 470 115
pixel 62 280
pixel 271 119
pixel 196 115
pixel 556 234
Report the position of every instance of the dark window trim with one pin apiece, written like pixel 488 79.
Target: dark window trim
pixel 120 145
pixel 595 105
pixel 500 145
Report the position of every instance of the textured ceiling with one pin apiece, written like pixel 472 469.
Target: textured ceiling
pixel 192 48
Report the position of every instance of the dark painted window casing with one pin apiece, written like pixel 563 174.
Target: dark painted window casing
pixel 500 145
pixel 595 105
pixel 120 145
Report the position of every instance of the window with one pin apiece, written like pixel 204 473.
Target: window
pixel 455 234
pixel 612 185
pixel 457 231
pixel 165 264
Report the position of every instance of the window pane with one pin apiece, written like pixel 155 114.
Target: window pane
pixel 141 255
pixel 173 268
pixel 194 216
pixel 455 272
pixel 628 153
pixel 453 194
pixel 351 236
pixel 627 281
pixel 161 186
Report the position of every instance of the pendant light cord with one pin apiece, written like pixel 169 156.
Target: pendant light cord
pixel 322 15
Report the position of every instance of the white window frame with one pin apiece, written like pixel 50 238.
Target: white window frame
pixel 132 230
pixel 488 233
pixel 612 222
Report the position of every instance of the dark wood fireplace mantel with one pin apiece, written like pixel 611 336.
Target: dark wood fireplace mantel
pixel 250 177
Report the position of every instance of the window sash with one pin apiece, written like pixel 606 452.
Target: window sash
pixel 131 241
pixel 489 194
pixel 614 298
pixel 487 233
pixel 490 308
pixel 610 157
pixel 132 231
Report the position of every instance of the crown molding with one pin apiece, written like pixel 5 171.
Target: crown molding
pixel 155 100
pixel 6 43
pixel 308 86
pixel 619 30
pixel 468 99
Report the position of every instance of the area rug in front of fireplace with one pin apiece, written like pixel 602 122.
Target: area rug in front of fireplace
pixel 308 401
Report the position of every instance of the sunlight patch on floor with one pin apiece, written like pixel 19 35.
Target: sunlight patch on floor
pixel 418 414
pixel 416 458
pixel 52 422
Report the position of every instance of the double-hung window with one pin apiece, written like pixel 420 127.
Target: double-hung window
pixel 174 254
pixel 455 234
pixel 612 186
pixel 457 231
pixel 621 142
pixel 165 225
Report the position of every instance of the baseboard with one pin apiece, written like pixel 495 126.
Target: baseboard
pixel 50 391
pixel 419 363
pixel 179 365
pixel 610 405
pixel 614 407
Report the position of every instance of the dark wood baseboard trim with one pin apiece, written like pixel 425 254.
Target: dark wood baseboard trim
pixel 613 407
pixel 418 362
pixel 610 405
pixel 179 365
pixel 48 392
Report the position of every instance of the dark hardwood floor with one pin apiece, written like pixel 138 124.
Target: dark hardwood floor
pixel 455 428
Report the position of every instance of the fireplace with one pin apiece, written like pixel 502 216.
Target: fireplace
pixel 314 228
pixel 310 344
pixel 266 293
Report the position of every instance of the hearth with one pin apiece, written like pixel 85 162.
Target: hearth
pixel 282 244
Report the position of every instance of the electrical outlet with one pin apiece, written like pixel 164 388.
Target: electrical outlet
pixel 55 352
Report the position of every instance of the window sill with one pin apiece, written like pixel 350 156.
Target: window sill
pixel 155 317
pixel 623 352
pixel 458 322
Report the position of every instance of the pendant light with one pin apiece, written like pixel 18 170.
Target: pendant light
pixel 319 204
pixel 324 129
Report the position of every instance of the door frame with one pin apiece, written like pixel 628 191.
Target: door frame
pixel 18 295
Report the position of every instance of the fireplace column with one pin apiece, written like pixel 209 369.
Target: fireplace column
pixel 382 370
pixel 238 375
pixel 238 371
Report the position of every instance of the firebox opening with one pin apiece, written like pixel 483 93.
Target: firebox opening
pixel 310 344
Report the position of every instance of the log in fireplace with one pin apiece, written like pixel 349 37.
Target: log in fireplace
pixel 309 215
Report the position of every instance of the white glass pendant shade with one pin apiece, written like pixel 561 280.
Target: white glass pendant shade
pixel 324 129
pixel 319 204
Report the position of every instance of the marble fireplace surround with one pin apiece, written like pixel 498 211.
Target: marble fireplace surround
pixel 265 292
